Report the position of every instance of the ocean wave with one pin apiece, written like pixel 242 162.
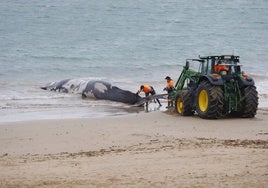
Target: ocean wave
pixel 34 97
pixel 55 103
pixel 259 76
pixel 64 58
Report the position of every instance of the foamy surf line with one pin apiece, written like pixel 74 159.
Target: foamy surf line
pixel 67 110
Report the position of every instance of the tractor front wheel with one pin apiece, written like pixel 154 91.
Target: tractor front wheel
pixel 210 100
pixel 183 104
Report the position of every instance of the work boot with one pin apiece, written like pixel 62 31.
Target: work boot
pixel 169 105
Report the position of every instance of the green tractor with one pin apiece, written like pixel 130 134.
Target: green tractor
pixel 216 88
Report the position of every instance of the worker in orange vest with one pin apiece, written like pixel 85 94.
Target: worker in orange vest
pixel 169 88
pixel 147 89
pixel 220 67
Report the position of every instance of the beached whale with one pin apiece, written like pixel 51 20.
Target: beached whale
pixel 93 88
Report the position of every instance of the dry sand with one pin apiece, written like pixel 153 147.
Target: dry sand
pixel 154 149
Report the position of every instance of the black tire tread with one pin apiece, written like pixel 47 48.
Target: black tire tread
pixel 185 95
pixel 251 102
pixel 216 101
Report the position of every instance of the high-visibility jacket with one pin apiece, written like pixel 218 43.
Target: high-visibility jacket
pixel 146 89
pixel 170 84
pixel 220 67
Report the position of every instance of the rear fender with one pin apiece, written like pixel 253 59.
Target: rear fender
pixel 246 82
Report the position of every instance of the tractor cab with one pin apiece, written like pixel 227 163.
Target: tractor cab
pixel 223 65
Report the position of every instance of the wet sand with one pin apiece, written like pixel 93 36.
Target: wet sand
pixel 156 149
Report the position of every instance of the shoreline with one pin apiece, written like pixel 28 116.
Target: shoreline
pixel 156 149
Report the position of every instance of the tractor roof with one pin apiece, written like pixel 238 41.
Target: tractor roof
pixel 220 57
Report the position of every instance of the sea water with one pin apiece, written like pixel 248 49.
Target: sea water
pixel 125 42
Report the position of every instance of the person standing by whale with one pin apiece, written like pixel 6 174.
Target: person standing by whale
pixel 169 88
pixel 147 89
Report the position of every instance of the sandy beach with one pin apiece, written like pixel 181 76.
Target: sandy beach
pixel 156 149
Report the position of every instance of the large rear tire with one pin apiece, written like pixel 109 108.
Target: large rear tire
pixel 183 103
pixel 210 101
pixel 250 104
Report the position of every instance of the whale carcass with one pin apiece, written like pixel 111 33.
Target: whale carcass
pixel 93 88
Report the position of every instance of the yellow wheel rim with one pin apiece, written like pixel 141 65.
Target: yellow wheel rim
pixel 179 105
pixel 203 100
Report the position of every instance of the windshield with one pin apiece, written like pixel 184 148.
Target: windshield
pixel 228 65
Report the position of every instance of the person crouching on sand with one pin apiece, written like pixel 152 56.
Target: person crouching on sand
pixel 147 89
pixel 169 88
